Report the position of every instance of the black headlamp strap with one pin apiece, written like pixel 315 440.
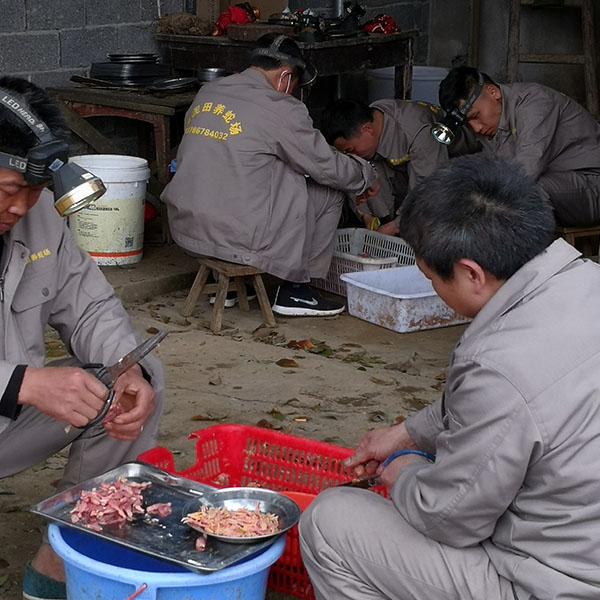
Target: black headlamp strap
pixel 468 105
pixel 273 52
pixel 14 163
pixel 19 107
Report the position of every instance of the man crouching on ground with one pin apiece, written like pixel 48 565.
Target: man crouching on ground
pixel 510 508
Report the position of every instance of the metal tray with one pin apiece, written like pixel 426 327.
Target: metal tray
pixel 165 538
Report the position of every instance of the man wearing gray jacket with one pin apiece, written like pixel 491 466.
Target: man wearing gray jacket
pixel 257 184
pixel 554 138
pixel 46 280
pixel 507 507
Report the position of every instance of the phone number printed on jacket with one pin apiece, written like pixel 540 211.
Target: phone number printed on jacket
pixel 218 110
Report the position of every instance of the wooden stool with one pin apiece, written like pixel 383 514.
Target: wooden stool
pixel 570 233
pixel 225 271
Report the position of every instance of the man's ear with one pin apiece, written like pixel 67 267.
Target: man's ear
pixel 471 273
pixel 494 91
pixel 367 128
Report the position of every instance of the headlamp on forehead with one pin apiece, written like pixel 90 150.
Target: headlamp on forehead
pixel 74 188
pixel 444 131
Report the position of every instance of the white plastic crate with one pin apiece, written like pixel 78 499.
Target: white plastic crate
pixel 358 249
pixel 399 299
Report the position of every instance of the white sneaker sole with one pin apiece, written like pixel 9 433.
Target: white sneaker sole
pixel 298 311
pixel 230 302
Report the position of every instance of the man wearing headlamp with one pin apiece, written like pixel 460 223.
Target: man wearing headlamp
pixel 555 139
pixel 47 280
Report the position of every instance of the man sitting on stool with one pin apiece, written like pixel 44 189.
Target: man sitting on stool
pixel 257 184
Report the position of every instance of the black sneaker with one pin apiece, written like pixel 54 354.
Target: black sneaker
pixel 300 300
pixel 232 298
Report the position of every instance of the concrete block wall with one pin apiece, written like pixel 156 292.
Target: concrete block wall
pixel 48 42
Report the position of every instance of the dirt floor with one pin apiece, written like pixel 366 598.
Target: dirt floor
pixel 355 377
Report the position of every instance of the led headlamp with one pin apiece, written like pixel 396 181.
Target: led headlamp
pixel 74 188
pixel 308 72
pixel 444 131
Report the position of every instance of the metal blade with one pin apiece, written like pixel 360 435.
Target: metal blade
pixel 134 357
pixel 362 482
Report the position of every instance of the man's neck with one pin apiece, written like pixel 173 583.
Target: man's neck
pixel 378 118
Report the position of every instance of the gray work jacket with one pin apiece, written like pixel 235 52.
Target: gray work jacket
pixel 240 190
pixel 46 279
pixel 517 434
pixel 545 131
pixel 406 154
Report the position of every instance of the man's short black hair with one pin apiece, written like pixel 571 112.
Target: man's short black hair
pixel 479 208
pixel 288 46
pixel 458 85
pixel 16 137
pixel 342 118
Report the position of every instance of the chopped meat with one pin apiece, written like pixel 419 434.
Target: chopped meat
pixel 113 503
pixel 201 543
pixel 162 509
pixel 234 523
pixel 222 479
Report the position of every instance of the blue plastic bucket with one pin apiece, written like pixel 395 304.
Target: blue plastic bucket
pixel 97 569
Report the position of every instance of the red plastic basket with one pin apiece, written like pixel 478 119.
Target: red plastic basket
pixel 241 455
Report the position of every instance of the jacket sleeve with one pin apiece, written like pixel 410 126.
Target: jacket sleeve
pixel 426 156
pixel 89 317
pixel 481 460
pixel 300 145
pixel 536 120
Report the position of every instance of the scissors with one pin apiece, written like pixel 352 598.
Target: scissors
pixel 369 481
pixel 109 375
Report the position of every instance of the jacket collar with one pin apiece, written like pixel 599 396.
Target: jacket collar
pixel 525 281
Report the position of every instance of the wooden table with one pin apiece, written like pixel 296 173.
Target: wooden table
pixel 334 57
pixel 79 103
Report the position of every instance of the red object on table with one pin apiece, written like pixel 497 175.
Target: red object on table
pixel 381 24
pixel 234 14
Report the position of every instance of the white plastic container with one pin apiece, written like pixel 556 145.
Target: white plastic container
pixel 425 83
pixel 359 249
pixel 111 229
pixel 401 299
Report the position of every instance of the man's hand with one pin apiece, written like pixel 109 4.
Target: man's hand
pixel 368 193
pixel 371 222
pixel 389 228
pixel 389 475
pixel 67 394
pixel 135 399
pixel 375 446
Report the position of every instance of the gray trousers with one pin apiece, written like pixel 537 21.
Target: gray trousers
pixel 323 215
pixel 575 196
pixel 34 437
pixel 355 545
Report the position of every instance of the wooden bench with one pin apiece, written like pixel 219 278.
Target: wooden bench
pixel 570 234
pixel 226 271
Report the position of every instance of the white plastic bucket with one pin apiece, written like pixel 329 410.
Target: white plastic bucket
pixel 425 83
pixel 111 229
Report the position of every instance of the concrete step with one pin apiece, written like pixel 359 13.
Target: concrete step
pixel 163 269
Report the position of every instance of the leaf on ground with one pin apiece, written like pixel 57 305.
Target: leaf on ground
pixel 276 414
pixel 321 348
pixel 378 417
pixel 300 345
pixel 292 402
pixel 378 381
pixel 152 330
pixel 165 319
pixel 399 419
pixel 208 417
pixel 215 380
pixel 264 424
pixel 286 363
pixel 361 368
pixel 3 578
pixel 351 345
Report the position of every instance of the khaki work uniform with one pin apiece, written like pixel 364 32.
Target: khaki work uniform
pixel 256 183
pixel 557 142
pixel 47 280
pixel 406 154
pixel 511 507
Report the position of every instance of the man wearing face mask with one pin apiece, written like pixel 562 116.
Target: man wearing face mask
pixel 555 139
pixel 257 184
